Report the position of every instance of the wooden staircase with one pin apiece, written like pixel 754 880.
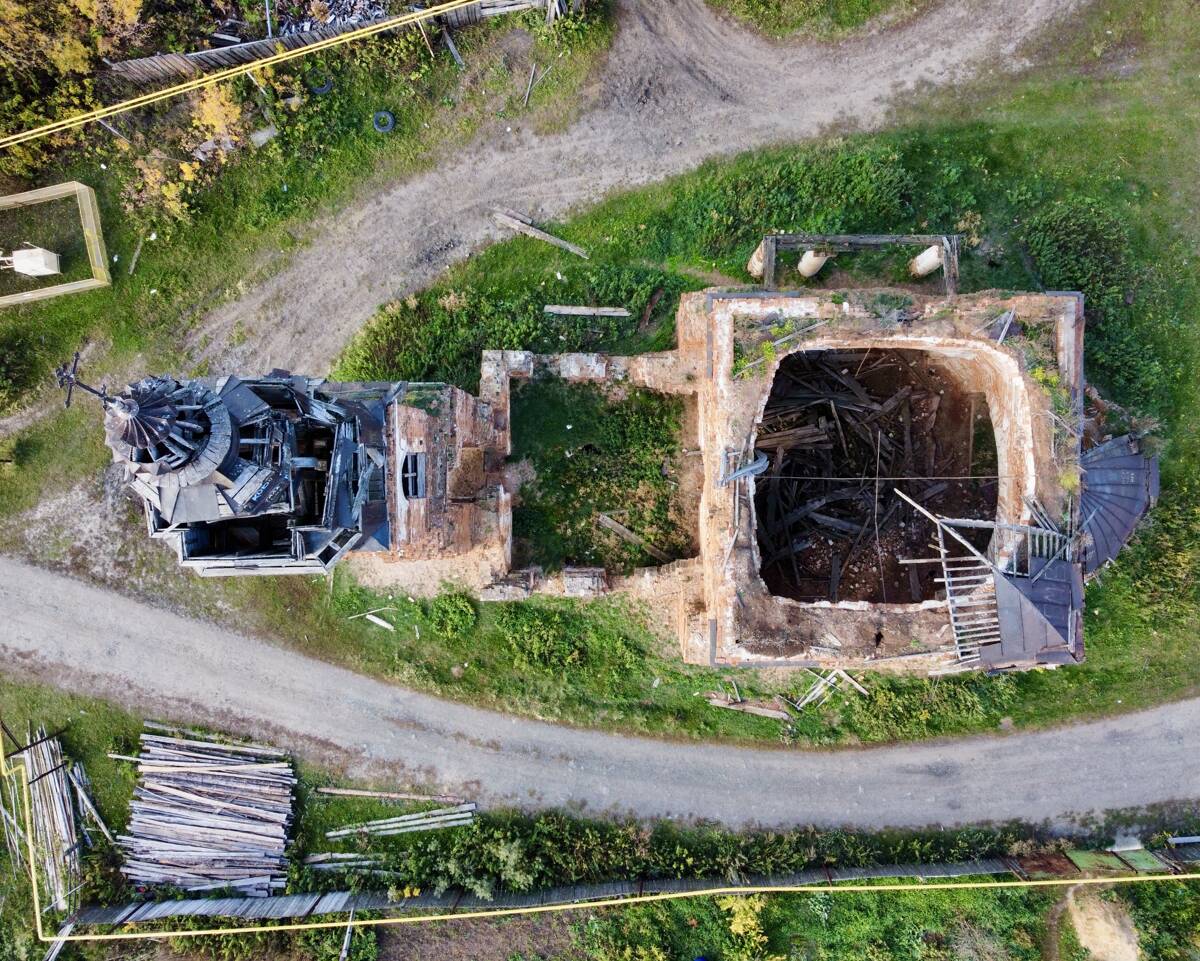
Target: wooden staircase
pixel 971 596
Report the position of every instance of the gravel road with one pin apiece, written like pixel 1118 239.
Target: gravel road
pixel 680 85
pixel 88 640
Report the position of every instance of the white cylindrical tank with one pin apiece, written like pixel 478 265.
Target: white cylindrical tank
pixel 812 262
pixel 926 262
pixel 754 267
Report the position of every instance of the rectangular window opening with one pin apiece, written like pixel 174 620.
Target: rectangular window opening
pixel 412 475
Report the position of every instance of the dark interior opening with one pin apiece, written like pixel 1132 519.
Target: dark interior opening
pixel 268 535
pixel 842 430
pixel 412 475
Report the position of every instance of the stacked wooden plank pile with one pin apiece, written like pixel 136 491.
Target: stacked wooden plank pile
pixel 55 839
pixel 208 816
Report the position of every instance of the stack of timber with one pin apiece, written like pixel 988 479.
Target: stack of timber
pixel 207 816
pixel 335 13
pixel 448 817
pixel 56 842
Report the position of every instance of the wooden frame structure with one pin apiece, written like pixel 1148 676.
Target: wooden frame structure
pixel 93 236
pixel 845 243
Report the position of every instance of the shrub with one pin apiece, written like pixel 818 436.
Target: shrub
pixel 325 944
pixel 541 636
pixel 17 366
pixel 1078 245
pixel 1167 918
pixel 508 851
pixel 453 614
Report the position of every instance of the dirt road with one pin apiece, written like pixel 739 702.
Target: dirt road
pixel 88 640
pixel 681 85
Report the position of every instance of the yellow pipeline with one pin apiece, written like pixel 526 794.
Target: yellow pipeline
pixel 209 80
pixel 557 908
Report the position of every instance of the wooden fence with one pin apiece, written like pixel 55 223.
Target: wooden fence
pixel 1182 857
pixel 93 237
pixel 173 67
pixel 341 902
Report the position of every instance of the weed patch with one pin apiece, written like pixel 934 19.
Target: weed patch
pixel 592 455
pixel 497 301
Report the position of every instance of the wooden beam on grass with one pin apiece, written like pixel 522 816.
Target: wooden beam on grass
pixel 569 311
pixel 626 534
pixel 523 225
pixel 390 795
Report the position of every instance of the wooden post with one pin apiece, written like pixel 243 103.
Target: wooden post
pixel 770 246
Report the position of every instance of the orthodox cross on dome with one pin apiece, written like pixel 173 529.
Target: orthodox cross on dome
pixel 68 377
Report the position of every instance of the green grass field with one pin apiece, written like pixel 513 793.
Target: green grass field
pixel 819 18
pixel 1078 135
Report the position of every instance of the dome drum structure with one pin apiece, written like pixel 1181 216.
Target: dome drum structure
pixel 284 474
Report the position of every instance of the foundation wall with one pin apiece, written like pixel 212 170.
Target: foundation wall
pixel 745 623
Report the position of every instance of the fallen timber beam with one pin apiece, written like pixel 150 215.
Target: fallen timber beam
pixel 86 803
pixel 449 42
pixel 569 311
pixel 390 795
pixel 626 534
pixel 436 824
pixel 523 225
pixel 949 245
pixel 370 827
pixel 717 699
pixel 845 243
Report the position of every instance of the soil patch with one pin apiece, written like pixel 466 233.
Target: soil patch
pixel 1104 928
pixel 473 940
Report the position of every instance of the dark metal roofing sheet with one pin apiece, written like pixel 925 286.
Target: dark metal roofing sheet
pixel 1184 853
pixel 1120 484
pixel 1035 612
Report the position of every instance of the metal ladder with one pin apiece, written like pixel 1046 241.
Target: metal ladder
pixel 971 597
